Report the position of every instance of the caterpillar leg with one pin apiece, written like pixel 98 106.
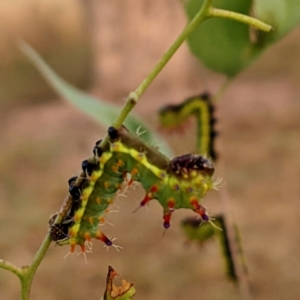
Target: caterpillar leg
pixel 167 219
pixel 168 213
pixel 103 238
pixel 200 210
pixel 148 197
pixel 87 238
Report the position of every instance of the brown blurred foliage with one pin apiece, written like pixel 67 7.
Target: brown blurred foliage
pixel 58 30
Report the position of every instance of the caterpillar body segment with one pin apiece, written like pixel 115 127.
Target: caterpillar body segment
pixel 178 183
pixel 174 186
pixel 202 108
pixel 98 192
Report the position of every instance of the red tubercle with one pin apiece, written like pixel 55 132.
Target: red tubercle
pixel 149 195
pixel 199 209
pixel 202 212
pixel 171 204
pixel 103 238
pixel 154 189
pixel 194 202
pixel 146 199
pixel 167 219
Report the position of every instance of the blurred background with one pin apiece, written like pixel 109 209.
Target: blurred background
pixel 108 47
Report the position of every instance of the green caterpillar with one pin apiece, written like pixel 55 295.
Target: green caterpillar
pixel 202 108
pixel 170 116
pixel 178 183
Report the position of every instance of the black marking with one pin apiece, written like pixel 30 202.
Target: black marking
pixel 113 133
pixel 88 167
pixel 97 150
pixel 188 162
pixel 75 192
pixel 72 180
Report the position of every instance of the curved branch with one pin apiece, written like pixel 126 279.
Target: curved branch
pixel 221 13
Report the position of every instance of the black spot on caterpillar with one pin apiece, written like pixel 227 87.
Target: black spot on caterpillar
pixel 201 106
pixel 178 183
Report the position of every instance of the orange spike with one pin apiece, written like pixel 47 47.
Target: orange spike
pixel 120 163
pixel 87 236
pixel 72 247
pixel 115 168
pixel 134 171
pixel 82 248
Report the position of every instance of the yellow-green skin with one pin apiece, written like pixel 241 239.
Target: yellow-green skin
pixel 201 107
pixel 127 154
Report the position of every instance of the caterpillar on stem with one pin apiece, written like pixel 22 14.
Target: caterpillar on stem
pixel 178 183
pixel 171 116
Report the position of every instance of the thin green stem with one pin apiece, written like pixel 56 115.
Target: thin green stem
pixel 199 17
pixel 222 89
pixel 28 272
pixel 221 13
pixel 133 97
pixel 7 265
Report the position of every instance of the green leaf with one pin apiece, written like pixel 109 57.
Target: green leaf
pixel 222 45
pixel 99 110
pixel 284 15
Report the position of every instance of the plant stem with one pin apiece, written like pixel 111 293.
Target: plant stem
pixel 221 13
pixel 28 272
pixel 133 97
pixel 222 89
pixel 7 265
pixel 199 17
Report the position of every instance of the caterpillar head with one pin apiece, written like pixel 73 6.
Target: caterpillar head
pixel 59 232
pixel 184 164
